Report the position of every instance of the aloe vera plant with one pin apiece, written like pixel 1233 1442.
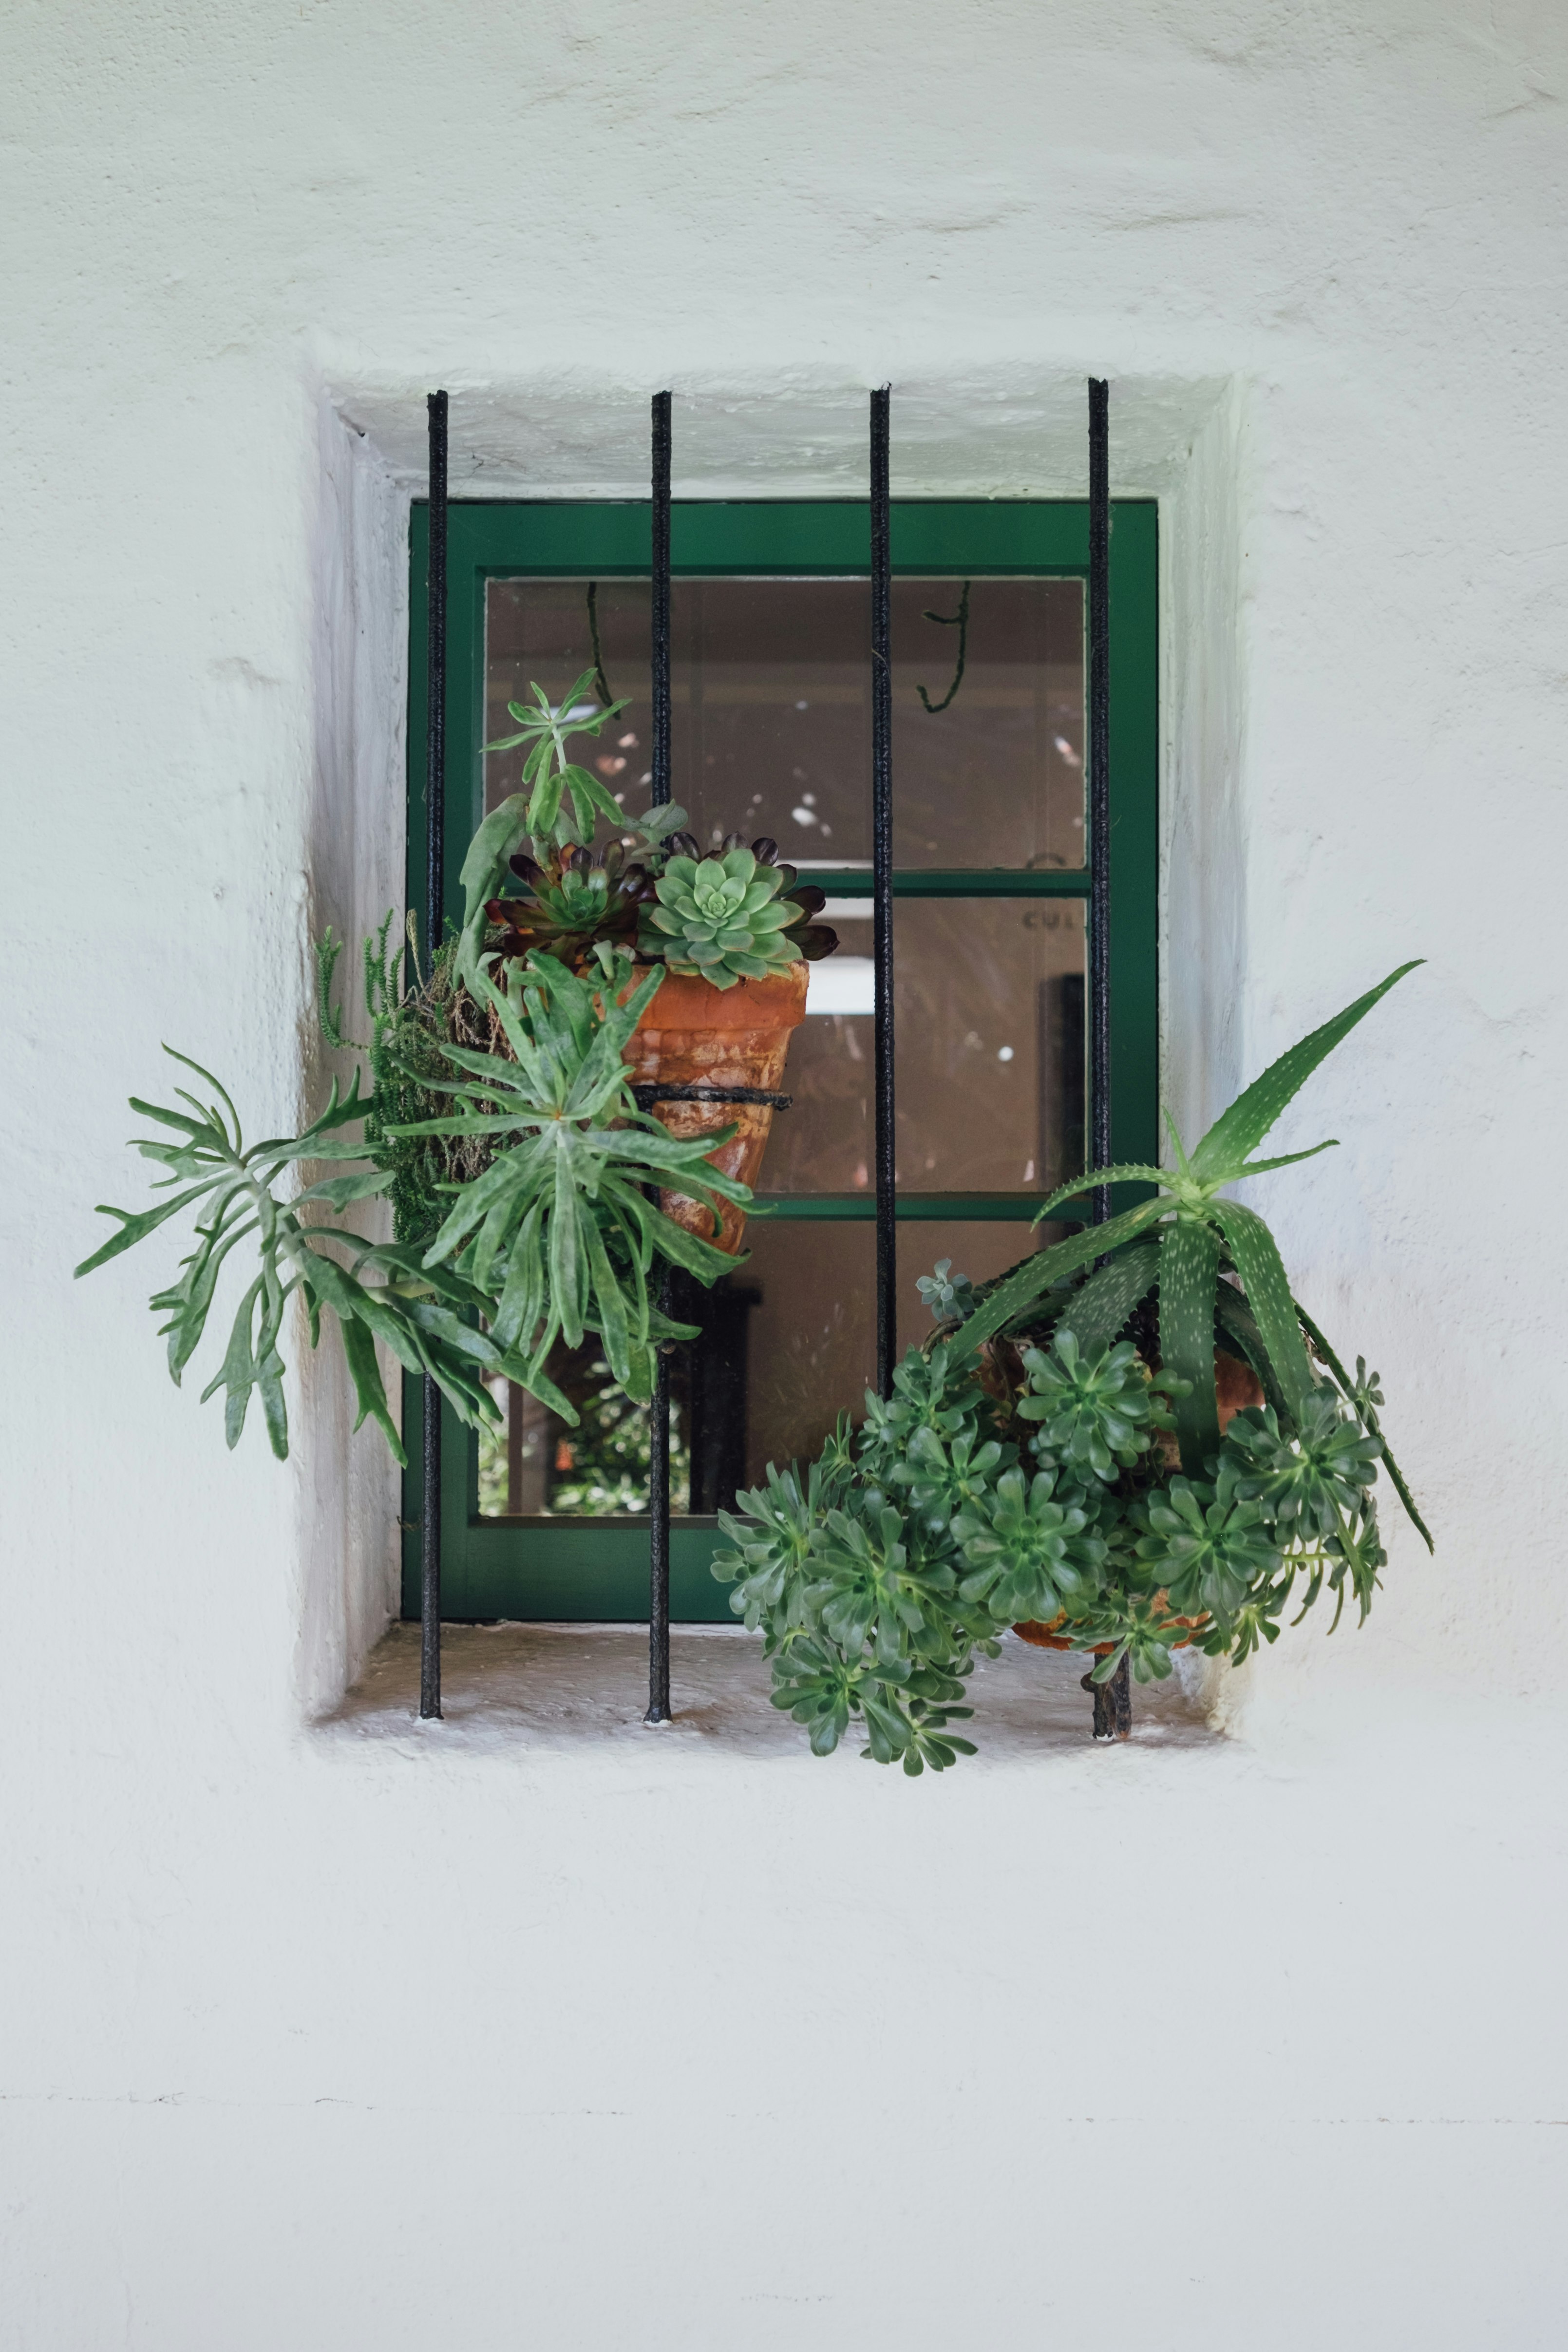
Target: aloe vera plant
pixel 1087 1486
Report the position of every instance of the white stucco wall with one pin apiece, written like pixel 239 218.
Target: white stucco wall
pixel 345 2044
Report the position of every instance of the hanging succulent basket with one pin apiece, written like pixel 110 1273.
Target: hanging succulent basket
pixel 695 1034
pixel 1236 1387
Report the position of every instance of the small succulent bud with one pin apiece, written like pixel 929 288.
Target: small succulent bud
pixel 685 844
pixel 765 849
pixel 527 869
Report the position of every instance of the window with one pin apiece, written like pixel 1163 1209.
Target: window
pixel 770 611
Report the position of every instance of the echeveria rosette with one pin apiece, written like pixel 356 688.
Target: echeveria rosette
pixel 1030 1549
pixel 721 920
pixel 1099 1410
pixel 1311 1484
pixel 1205 1547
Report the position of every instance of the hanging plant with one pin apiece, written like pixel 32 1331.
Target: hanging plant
pixel 1122 1495
pixel 554 1237
pixel 534 1199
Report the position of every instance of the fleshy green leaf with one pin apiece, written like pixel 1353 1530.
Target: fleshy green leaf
pixel 1237 1132
pixel 1189 1269
pixel 359 1351
pixel 1025 1283
pixel 1124 1172
pixel 1396 1477
pixel 1258 1262
pixel 1098 1312
pixel 134 1229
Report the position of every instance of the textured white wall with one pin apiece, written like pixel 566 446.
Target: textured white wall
pixel 341 2046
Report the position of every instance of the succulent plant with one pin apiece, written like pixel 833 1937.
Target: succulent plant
pixel 879 1572
pixel 728 917
pixel 567 802
pixel 575 898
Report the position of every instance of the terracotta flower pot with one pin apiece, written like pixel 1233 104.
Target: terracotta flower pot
pixel 1046 1637
pixel 1236 1386
pixel 695 1034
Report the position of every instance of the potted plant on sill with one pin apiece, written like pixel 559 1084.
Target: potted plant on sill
pixel 733 931
pixel 529 1189
pixel 1122 1495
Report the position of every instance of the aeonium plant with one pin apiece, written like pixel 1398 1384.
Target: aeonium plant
pixel 732 914
pixel 1055 1456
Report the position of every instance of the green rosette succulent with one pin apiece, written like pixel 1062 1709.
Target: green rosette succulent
pixel 721 918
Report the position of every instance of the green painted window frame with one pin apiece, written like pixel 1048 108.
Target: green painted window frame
pixel 596 1570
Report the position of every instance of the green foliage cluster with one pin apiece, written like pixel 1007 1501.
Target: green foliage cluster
pixel 651 888
pixel 427 1318
pixel 566 802
pixel 1034 1465
pixel 556 1237
pixel 559 1234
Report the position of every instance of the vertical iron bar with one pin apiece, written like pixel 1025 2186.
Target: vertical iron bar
pixel 1113 1704
pixel 660 577
pixel 434 893
pixel 881 889
pixel 1100 788
pixel 659 1408
pixel 659 1531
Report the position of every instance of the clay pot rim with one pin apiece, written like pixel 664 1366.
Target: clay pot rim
pixel 686 1005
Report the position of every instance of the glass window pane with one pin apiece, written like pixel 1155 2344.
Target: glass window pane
pixel 788 1343
pixel 771 711
pixel 990 1051
pixel 996 778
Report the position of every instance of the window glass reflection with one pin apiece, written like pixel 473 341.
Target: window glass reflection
pixel 771 711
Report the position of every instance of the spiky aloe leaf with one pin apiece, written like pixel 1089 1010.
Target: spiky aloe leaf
pixel 1397 1476
pixel 1237 1131
pixel 1026 1282
pixel 1267 1291
pixel 1126 1172
pixel 1098 1311
pixel 1190 1270
pixel 1236 1321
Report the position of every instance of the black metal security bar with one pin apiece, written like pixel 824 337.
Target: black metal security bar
pixel 435 892
pixel 1099 787
pixel 659 1410
pixel 1113 1700
pixel 881 890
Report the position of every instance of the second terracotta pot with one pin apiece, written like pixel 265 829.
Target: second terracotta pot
pixel 695 1034
pixel 1236 1387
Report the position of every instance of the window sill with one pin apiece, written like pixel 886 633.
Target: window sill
pixel 557 1687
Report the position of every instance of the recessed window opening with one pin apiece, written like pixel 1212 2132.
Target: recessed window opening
pixel 771 725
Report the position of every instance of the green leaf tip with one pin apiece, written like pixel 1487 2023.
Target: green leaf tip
pixel 1237 1132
